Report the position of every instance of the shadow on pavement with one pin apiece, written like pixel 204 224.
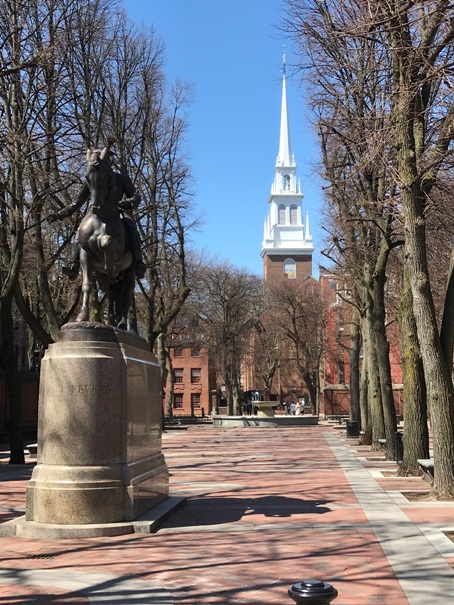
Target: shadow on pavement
pixel 215 511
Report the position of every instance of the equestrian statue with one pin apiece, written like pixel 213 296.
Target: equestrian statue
pixel 108 246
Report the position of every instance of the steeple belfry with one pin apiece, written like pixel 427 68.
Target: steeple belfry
pixel 287 244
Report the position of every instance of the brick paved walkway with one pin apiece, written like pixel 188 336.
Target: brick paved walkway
pixel 265 508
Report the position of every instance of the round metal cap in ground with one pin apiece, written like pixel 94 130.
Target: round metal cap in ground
pixel 312 592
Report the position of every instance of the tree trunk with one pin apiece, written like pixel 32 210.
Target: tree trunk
pixel 416 434
pixel 162 355
pixel 12 383
pixel 384 367
pixel 447 325
pixel 170 382
pixel 353 359
pixel 366 427
pixel 229 393
pixel 408 132
pixel 309 381
pixel 237 405
pixel 438 378
pixel 374 390
pixel 31 319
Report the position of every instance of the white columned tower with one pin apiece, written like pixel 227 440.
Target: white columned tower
pixel 287 243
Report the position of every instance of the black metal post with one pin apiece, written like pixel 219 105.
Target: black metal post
pixel 399 453
pixel 312 592
pixel 352 428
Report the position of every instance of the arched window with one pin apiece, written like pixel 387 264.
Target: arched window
pixel 281 215
pixel 286 182
pixel 290 268
pixel 293 214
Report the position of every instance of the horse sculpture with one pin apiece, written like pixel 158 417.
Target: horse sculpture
pixel 104 254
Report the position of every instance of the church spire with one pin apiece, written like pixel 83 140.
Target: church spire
pixel 287 242
pixel 285 157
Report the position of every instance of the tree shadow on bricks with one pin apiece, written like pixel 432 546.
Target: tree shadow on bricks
pixel 215 511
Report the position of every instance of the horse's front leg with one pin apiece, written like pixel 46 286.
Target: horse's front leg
pixel 124 298
pixel 111 301
pixel 87 286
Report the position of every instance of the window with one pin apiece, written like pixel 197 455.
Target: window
pixel 178 375
pixel 293 214
pixel 195 400
pixel 281 215
pixel 195 351
pixel 286 182
pixel 290 268
pixel 341 372
pixel 178 401
pixel 178 351
pixel 195 375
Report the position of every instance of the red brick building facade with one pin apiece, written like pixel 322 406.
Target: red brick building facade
pixel 194 381
pixel 334 371
pixel 273 266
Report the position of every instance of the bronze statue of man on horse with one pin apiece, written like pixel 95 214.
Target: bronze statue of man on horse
pixel 108 243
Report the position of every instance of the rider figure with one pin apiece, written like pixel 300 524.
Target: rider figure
pixel 123 187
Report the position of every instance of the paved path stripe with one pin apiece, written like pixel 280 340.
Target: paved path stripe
pixel 423 574
pixel 99 588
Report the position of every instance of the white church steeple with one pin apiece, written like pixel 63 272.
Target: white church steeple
pixel 285 235
pixel 285 157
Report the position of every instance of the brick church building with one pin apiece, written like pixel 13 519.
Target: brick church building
pixel 287 250
pixel 287 243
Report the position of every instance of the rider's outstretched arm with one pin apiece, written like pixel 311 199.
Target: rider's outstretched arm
pixel 83 196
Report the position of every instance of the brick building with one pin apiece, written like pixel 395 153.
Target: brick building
pixel 287 243
pixel 334 372
pixel 287 249
pixel 286 252
pixel 195 382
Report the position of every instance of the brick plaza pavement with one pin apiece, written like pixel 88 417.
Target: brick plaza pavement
pixel 266 507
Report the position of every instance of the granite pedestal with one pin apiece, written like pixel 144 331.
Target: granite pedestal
pixel 99 430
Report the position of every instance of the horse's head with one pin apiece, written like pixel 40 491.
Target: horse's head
pixel 100 178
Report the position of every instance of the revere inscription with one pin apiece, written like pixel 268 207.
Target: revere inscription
pixel 72 389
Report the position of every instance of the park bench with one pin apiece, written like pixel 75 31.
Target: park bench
pixel 174 424
pixel 382 444
pixel 32 449
pixel 428 470
pixel 337 419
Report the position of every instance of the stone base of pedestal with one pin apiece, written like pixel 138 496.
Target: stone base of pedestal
pixel 94 494
pixel 99 430
pixel 146 523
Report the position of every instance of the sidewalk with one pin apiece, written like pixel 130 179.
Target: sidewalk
pixel 266 508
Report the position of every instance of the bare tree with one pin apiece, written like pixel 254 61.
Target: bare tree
pixel 412 58
pixel 353 123
pixel 266 349
pixel 229 303
pixel 77 74
pixel 298 310
pixel 420 39
pixel 19 97
pixel 166 183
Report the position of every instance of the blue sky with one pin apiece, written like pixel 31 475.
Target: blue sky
pixel 231 52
